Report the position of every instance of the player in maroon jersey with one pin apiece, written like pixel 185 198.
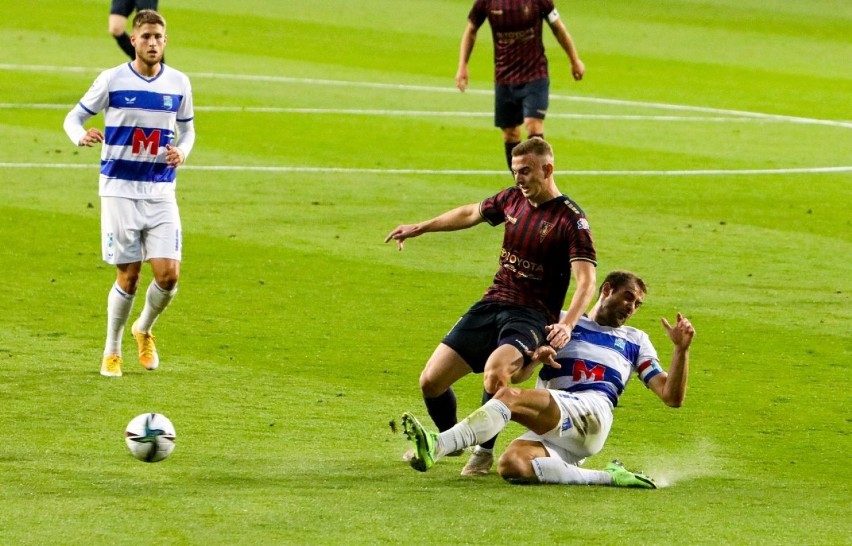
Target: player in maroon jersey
pixel 546 239
pixel 521 79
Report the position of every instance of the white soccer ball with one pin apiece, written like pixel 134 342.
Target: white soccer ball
pixel 150 437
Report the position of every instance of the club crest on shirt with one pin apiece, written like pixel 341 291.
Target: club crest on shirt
pixel 546 227
pixel 167 102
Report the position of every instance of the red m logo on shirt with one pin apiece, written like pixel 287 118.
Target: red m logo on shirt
pixel 149 143
pixel 584 373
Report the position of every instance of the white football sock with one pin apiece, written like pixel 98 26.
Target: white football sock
pixel 480 426
pixel 554 470
pixel 119 304
pixel 156 301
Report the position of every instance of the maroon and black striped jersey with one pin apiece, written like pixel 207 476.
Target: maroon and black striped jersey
pixel 516 29
pixel 539 244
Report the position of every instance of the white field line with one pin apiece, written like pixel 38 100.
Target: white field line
pixel 411 113
pixel 436 89
pixel 454 172
pixel 719 115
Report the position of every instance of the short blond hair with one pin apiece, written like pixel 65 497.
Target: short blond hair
pixel 148 17
pixel 536 146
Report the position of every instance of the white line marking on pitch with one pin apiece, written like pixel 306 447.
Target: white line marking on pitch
pixel 436 89
pixel 412 113
pixel 454 172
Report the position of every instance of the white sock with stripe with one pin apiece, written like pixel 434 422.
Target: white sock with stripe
pixel 119 304
pixel 156 301
pixel 480 426
pixel 555 470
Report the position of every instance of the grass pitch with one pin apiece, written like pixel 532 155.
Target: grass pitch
pixel 710 145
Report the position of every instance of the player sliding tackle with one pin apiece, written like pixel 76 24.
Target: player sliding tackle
pixel 569 413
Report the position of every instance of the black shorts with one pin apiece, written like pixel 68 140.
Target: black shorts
pixel 126 7
pixel 488 325
pixel 513 103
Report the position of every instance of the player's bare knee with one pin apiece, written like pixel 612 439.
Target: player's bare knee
pixel 117 25
pixel 494 380
pixel 514 468
pixel 507 395
pixel 167 282
pixel 128 281
pixel 429 387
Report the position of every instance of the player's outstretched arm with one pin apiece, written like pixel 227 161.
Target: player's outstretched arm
pixel 459 218
pixel 545 354
pixel 671 386
pixel 559 334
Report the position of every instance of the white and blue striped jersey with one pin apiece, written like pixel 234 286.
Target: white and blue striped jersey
pixel 601 358
pixel 141 116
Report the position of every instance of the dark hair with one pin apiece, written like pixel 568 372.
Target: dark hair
pixel 148 17
pixel 620 279
pixel 537 146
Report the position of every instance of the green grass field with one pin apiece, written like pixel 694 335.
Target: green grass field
pixel 710 144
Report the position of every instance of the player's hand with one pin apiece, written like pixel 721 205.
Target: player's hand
pixel 544 354
pixel 174 156
pixel 558 334
pixel 93 136
pixel 401 233
pixel 578 69
pixel 681 333
pixel 462 77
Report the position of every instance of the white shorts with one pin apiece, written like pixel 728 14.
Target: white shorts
pixel 136 230
pixel 583 427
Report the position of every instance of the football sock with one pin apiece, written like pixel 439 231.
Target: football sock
pixel 442 409
pixel 476 428
pixel 125 45
pixel 119 304
pixel 488 444
pixel 156 301
pixel 554 470
pixel 508 147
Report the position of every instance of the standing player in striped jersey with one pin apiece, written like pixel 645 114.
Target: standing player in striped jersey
pixel 546 239
pixel 569 413
pixel 521 78
pixel 148 133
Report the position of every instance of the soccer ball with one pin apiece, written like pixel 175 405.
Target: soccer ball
pixel 150 437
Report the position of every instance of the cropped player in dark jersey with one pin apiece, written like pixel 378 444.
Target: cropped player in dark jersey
pixel 521 79
pixel 119 11
pixel 546 239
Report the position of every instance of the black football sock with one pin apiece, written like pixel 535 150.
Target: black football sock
pixel 489 444
pixel 508 147
pixel 125 45
pixel 442 409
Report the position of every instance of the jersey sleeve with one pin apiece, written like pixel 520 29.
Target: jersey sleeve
pixel 478 13
pixel 582 243
pixel 647 363
pixel 548 11
pixel 186 111
pixel 97 97
pixel 493 209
